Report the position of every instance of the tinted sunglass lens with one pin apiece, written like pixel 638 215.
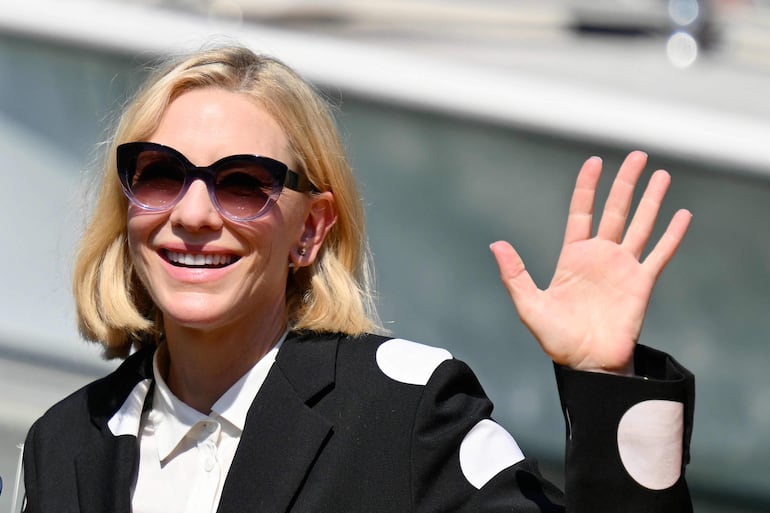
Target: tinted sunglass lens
pixel 243 189
pixel 157 179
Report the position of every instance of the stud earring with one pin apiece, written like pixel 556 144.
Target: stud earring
pixel 302 251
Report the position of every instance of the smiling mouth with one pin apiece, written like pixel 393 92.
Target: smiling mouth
pixel 198 260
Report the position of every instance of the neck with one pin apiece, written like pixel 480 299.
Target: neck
pixel 204 364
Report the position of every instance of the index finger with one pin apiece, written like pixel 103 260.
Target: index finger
pixel 581 207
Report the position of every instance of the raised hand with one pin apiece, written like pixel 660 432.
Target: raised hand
pixel 591 315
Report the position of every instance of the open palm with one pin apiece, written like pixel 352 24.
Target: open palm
pixel 591 315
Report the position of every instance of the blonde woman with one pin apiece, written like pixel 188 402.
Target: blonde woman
pixel 226 262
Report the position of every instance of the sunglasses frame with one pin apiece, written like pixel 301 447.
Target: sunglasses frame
pixel 128 153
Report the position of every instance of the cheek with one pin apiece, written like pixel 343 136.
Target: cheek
pixel 273 235
pixel 140 229
pixel 261 240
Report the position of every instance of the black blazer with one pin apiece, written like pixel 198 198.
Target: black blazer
pixel 329 432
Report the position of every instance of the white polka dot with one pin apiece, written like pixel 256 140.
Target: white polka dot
pixel 410 362
pixel 487 450
pixel 650 443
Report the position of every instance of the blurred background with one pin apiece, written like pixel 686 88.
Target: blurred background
pixel 466 122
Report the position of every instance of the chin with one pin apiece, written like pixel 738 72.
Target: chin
pixel 204 321
pixel 197 314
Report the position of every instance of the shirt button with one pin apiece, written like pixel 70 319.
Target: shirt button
pixel 210 458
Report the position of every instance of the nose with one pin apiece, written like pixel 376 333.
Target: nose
pixel 195 212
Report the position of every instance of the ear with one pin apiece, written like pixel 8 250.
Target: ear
pixel 321 216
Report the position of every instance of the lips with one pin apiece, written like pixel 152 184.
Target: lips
pixel 199 260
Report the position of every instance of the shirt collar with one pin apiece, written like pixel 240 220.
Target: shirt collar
pixel 235 403
pixel 171 419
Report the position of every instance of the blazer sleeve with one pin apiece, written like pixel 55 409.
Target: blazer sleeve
pixel 628 438
pixel 463 461
pixel 30 473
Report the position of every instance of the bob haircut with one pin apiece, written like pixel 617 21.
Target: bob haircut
pixel 333 294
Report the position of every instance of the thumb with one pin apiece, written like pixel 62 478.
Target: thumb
pixel 514 275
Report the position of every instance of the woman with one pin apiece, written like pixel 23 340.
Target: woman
pixel 227 254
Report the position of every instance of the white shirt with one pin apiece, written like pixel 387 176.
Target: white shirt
pixel 184 455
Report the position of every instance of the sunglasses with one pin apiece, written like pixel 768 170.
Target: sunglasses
pixel 241 187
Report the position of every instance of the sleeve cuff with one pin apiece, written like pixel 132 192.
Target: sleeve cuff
pixel 635 429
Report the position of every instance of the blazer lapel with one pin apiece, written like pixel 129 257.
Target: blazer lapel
pixel 106 466
pixel 283 434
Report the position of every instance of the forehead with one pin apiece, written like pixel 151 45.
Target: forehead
pixel 208 124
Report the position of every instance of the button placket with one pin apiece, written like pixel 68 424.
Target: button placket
pixel 208 444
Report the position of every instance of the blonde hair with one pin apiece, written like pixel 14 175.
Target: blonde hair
pixel 334 294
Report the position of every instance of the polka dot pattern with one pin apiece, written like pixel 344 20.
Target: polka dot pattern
pixel 487 450
pixel 410 362
pixel 650 442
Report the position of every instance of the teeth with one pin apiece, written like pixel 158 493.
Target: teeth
pixel 198 260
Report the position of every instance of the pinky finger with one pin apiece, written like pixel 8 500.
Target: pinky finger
pixel 666 247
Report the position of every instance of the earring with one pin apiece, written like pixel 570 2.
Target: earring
pixel 301 251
